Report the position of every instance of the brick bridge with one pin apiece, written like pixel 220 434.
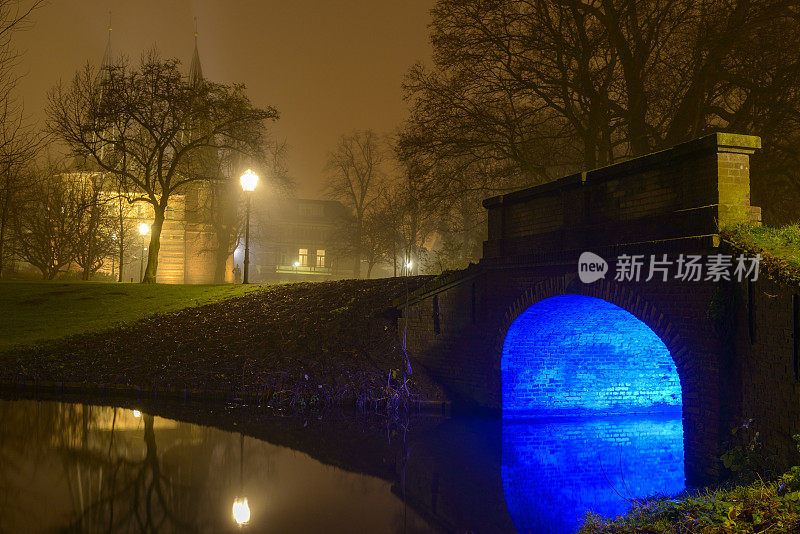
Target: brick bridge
pixel 734 344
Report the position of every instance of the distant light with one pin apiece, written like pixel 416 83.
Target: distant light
pixel 248 180
pixel 409 265
pixel 241 511
pixel 137 413
pixel 297 264
pixel 144 229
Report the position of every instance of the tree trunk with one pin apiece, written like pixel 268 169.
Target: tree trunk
pixel 394 257
pixel 3 224
pixel 2 240
pixel 121 235
pixel 357 252
pixel 121 255
pixel 221 262
pixel 155 245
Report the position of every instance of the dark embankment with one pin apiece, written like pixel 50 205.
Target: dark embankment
pixel 289 346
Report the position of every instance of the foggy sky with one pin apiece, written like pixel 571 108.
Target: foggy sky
pixel 329 67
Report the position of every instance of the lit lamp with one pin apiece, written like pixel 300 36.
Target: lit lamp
pixel 241 510
pixel 249 180
pixel 409 264
pixel 144 229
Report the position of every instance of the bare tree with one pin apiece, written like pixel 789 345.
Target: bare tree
pixel 95 228
pixel 150 128
pixel 46 224
pixel 124 232
pixel 355 177
pixel 18 143
pixel 18 146
pixel 529 89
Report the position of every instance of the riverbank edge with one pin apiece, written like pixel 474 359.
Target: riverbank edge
pixel 111 393
pixel 306 373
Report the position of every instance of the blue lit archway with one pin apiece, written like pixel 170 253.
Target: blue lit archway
pixel 591 414
pixel 574 354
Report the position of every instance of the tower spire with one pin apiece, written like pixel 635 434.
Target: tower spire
pixel 195 70
pixel 108 57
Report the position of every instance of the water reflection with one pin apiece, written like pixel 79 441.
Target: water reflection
pixel 75 468
pixel 554 471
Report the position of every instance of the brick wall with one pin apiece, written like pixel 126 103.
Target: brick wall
pixel 572 354
pixel 688 190
pixel 765 364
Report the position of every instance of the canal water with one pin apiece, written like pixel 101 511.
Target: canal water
pixel 71 467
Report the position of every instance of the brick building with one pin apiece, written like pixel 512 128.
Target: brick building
pixel 299 239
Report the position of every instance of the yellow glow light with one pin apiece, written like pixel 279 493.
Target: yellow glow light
pixel 249 180
pixel 144 229
pixel 241 511
pixel 137 413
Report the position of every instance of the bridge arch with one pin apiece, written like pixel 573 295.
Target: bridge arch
pixel 629 319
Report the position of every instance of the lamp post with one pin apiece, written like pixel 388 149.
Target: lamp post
pixel 144 229
pixel 248 180
pixel 241 510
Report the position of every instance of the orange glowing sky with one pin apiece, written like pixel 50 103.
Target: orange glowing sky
pixel 329 67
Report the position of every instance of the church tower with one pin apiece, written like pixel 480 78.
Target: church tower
pixel 195 70
pixel 108 57
pixel 202 205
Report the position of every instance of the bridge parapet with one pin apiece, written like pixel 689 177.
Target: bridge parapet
pixel 685 192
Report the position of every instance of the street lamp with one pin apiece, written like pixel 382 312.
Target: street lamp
pixel 248 180
pixel 144 229
pixel 409 265
pixel 241 510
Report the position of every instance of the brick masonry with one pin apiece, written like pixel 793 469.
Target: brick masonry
pixel 670 202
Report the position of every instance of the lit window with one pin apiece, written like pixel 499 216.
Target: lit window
pixel 303 257
pixel 320 258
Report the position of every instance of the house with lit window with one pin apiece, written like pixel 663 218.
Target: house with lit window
pixel 299 239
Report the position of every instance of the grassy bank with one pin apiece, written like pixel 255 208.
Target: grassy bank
pixel 36 312
pixel 760 507
pixel 291 344
pixel 779 248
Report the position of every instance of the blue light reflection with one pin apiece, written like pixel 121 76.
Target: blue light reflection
pixel 555 471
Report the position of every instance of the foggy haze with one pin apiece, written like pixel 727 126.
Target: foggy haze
pixel 328 67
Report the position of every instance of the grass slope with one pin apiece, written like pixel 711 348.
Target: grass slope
pixel 294 344
pixel 36 312
pixel 757 508
pixel 779 248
